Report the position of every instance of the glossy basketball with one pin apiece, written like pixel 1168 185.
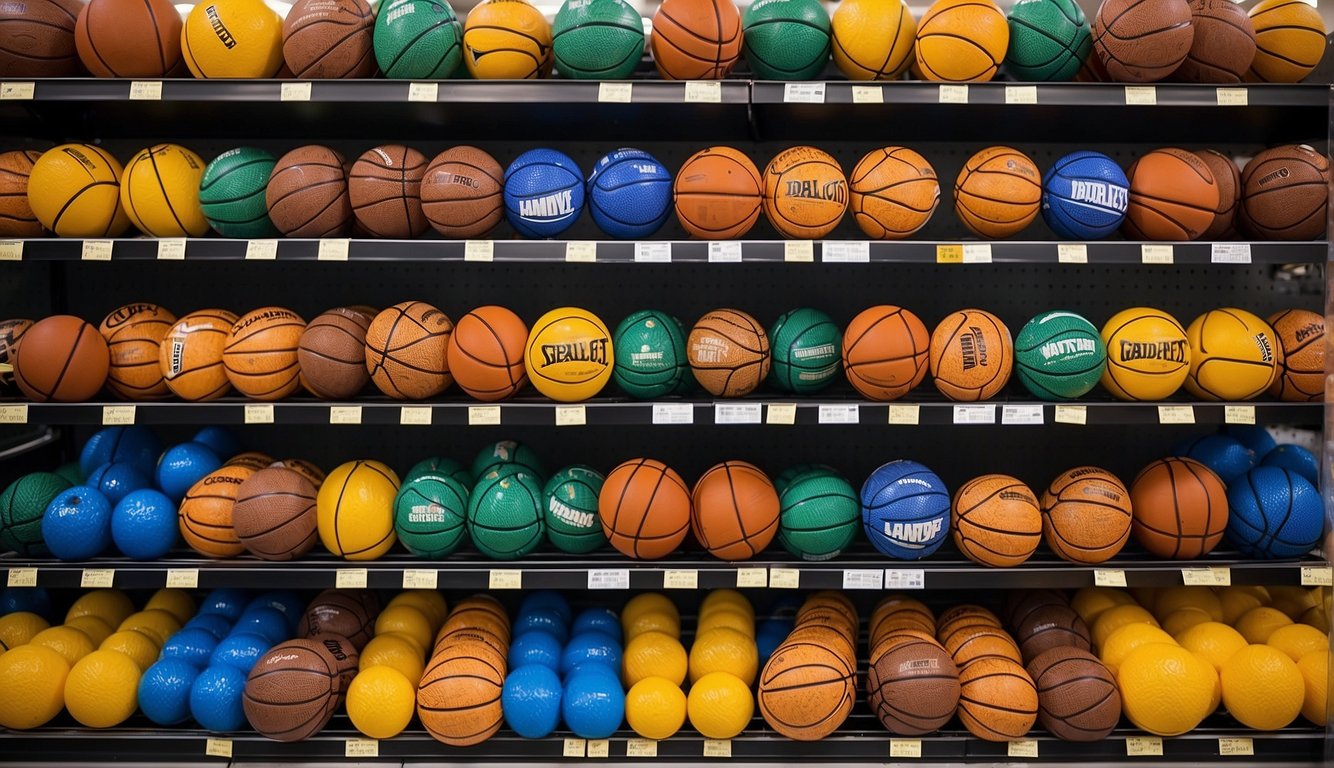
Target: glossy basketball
pixel 1180 508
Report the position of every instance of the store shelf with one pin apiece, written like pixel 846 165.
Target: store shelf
pixel 1041 94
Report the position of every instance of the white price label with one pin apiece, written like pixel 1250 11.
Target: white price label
pixel 1156 253
pixel 905 578
pixel 574 748
pixel 361 748
pixel 1109 577
pixel 97 578
pixel 977 253
pixel 905 415
pixel 803 93
pixel 609 578
pixel 581 252
pixel 414 415
pixel 840 414
pixel 504 579
pixel 333 250
pixel 23 91
pixel 421 578
pixel 724 252
pixel 798 251
pixel 1206 577
pixel 845 251
pixel 905 747
pixel 703 92
pixel 864 579
pixel 615 93
pixel 1238 414
pixel 784 578
pixel 680 579
pixel 171 249
pixel 1243 746
pixel 641 748
pixel 1021 94
pixel 673 413
pixel 868 94
pixel 259 414
pixel 26 577
pixel 14 414
pixel 350 578
pixel 96 250
pixel 953 94
pixel 571 416
pixel 261 250
pixel 752 578
pixel 975 414
pixel 1315 576
pixel 1230 253
pixel 1144 746
pixel 428 92
pixel 146 90
pixel 294 91
pixel 117 415
pixel 183 578
pixel 1021 414
pixel 599 748
pixel 1141 95
pixel 1022 748
pixel 1072 253
pixel 11 250
pixel 1072 414
pixel 483 415
pixel 345 414
pixel 479 250
pixel 1176 414
pixel 717 747
pixel 780 413
pixel 218 747
pixel 653 252
pixel 737 413
pixel 1233 97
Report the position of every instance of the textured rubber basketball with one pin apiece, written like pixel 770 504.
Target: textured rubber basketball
pixel 544 193
pixel 418 39
pixel 786 39
pixel 649 348
pixel 807 349
pixel 1049 40
pixel 597 39
pixel 1059 355
pixel 629 194
pixel 1085 196
pixel 231 193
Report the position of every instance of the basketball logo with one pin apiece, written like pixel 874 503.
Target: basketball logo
pixel 569 354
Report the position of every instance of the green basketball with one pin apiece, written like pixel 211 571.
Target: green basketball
pixel 231 193
pixel 786 39
pixel 418 40
pixel 505 518
pixel 819 515
pixel 807 351
pixel 1049 40
pixel 508 452
pixel 21 508
pixel 443 466
pixel 784 478
pixel 650 349
pixel 597 39
pixel 71 472
pixel 429 514
pixel 570 503
pixel 1059 355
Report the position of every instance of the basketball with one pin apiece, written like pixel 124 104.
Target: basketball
pixel 1289 41
pixel 1148 355
pixel 274 515
pixel 1285 191
pixel 649 348
pixel 905 510
pixel 569 354
pixel 1078 699
pixel 819 515
pixel 126 38
pixel 231 193
pixel 970 644
pixel 261 353
pixel 1140 41
pixel 1274 513
pixel 252 460
pixel 892 193
pixel 418 40
pixel 505 520
pixel 1085 196
pixel 486 352
pixel 62 359
pixel 22 507
pixel 331 354
pixel 997 700
pixel 718 194
pixel 735 511
pixel 356 510
pixel 292 690
pixel 74 190
pixel 1051 626
pixel 37 39
pixel 1229 190
pixel 873 39
pixel 160 192
pixel 1180 508
pixel 1049 40
pixel 629 194
pixel 325 39
pixel 507 40
pixel 806 691
pixel 597 40
pixel 16 216
pixel 913 688
pixel 384 188
pixel 805 193
pixel 962 41
pixel 304 468
pixel 233 38
pixel 544 191
pixel 1059 356
pixel 1301 355
pixel 134 335
pixel 786 39
pixel 458 700
pixel 190 357
pixel 206 513
pixel 461 192
pixel 971 355
pixel 1223 46
pixel 405 351
pixel 885 351
pixel 807 350
pixel 1173 196
pixel 307 194
pixel 728 352
pixel 644 507
pixel 570 506
pixel 998 190
pixel 429 513
pixel 1086 515
pixel 11 331
pixel 996 521
pixel 1232 355
pixel 695 39
pixel 341 613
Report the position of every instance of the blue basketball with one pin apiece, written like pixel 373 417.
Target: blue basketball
pixel 31 599
pixel 629 194
pixel 193 645
pixel 543 619
pixel 240 650
pixel 116 481
pixel 544 193
pixel 531 700
pixel 285 601
pixel 1256 438
pixel 602 620
pixel 591 647
pixel 535 647
pixel 136 445
pixel 1294 458
pixel 228 601
pixel 222 440
pixel 593 704
pixel 1226 456
pixel 1084 196
pixel 770 634
pixel 266 622
pixel 164 691
pixel 905 510
pixel 144 526
pixel 184 465
pixel 1274 513
pixel 77 524
pixel 215 698
pixel 215 623
pixel 549 599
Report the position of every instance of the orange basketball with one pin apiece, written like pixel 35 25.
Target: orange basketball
pixel 962 41
pixel 998 192
pixel 61 359
pixel 995 520
pixel 1301 355
pixel 458 700
pixel 735 510
pixel 970 644
pixel 972 355
pixel 190 357
pixel 1086 515
pixel 718 194
pixel 805 193
pixel 134 335
pixel 1228 177
pixel 965 615
pixel 913 687
pixel 893 192
pixel 728 352
pixel 695 39
pixel 405 351
pixel 885 352
pixel 997 700
pixel 261 353
pixel 806 690
pixel 485 353
pixel 206 512
pixel 644 507
pixel 1180 508
pixel 899 609
pixel 1173 196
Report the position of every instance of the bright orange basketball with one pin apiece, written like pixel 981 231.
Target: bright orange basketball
pixel 261 353
pixel 962 41
pixel 893 192
pixel 718 194
pixel 735 512
pixel 485 353
pixel 806 691
pixel 885 352
pixel 1086 515
pixel 458 700
pixel 190 357
pixel 206 512
pixel 728 352
pixel 998 191
pixel 972 355
pixel 644 507
pixel 695 39
pixel 805 193
pixel 998 701
pixel 1180 508
pixel 995 520
pixel 1173 196
pixel 134 335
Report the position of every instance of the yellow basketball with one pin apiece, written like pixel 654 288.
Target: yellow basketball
pixel 1126 639
pixel 1148 356
pixel 160 191
pixel 74 190
pixel 569 354
pixel 507 40
pixel 110 605
pixel 1238 600
pixel 427 601
pixel 873 39
pixel 648 603
pixel 1165 689
pixel 95 628
pixel 356 510
pixel 393 649
pixel 728 618
pixel 1314 667
pixel 1172 599
pixel 177 602
pixel 20 628
pixel 406 620
pixel 962 41
pixel 1091 602
pixel 720 706
pixel 135 644
pixel 233 38
pixel 1182 619
pixel 33 679
pixel 1257 624
pixel 1213 642
pixel 66 641
pixel 1113 619
pixel 1297 640
pixel 1231 355
pixel 725 599
pixel 655 708
pixel 653 654
pixel 381 701
pixel 102 690
pixel 1289 41
pixel 724 650
pixel 154 622
pixel 1262 687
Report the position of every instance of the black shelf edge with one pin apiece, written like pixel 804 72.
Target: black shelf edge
pixel 1066 94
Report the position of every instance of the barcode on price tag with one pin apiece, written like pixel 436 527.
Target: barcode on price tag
pixel 653 252
pixel 840 414
pixel 688 579
pixel 845 252
pixel 752 578
pixel 1021 414
pixel 864 579
pixel 673 413
pixel 724 252
pixel 905 747
pixel 609 578
pixel 975 414
pixel 784 578
pixel 26 577
pixel 1144 746
pixel 905 578
pixel 803 93
pixel 737 413
pixel 1109 577
pixel 1230 253
pixel 421 578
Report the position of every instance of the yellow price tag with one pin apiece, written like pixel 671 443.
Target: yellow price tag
pixel 97 578
pixel 599 748
pixel 680 579
pixel 361 748
pixel 752 578
pixel 798 251
pixel 259 414
pixel 1022 748
pixel 1109 577
pixel 784 578
pixel 641 748
pixel 575 748
pixel 780 413
pixel 1144 746
pixel 171 249
pixel 344 414
pixel 949 254
pixel 1141 95
pixel 14 414
pixel 1312 576
pixel 183 578
pixel 350 578
pixel 479 250
pixel 953 94
pixel 414 415
pixel 1236 746
pixel 21 577
pixel 483 415
pixel 1233 97
pixel 117 415
pixel 505 579
pixel 333 250
pixel 96 250
pixel 868 94
pixel 17 91
pixel 1072 253
pixel 261 250
pixel 1021 94
pixel 1156 253
pixel 907 415
pixel 717 747
pixel 571 416
pixel 1072 414
pixel 425 578
pixel 1238 414
pixel 905 747
pixel 11 250
pixel 218 747
pixel 581 252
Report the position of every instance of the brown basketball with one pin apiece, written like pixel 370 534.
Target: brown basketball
pixel 735 511
pixel 292 690
pixel 1086 515
pixel 16 216
pixel 331 354
pixel 892 193
pixel 37 39
pixel 885 352
pixel 11 331
pixel 335 612
pixel 385 187
pixel 325 39
pixel 190 357
pixel 1173 196
pixel 261 353
pixel 806 691
pixel 1223 45
pixel 458 701
pixel 913 688
pixel 129 38
pixel 1180 508
pixel 274 516
pixel 134 336
pixel 728 352
pixel 345 655
pixel 1229 190
pixel 997 700
pixel 313 474
pixel 969 644
pixel 1078 698
pixel 1052 626
pixel 644 507
pixel 1284 193
pixel 307 194
pixel 997 192
pixel 485 353
pixel 205 515
pixel 718 194
pixel 1301 355
pixel 972 355
pixel 965 615
pixel 1140 41
pixel 461 192
pixel 1019 603
pixel 805 193
pixel 62 359
pixel 995 521
pixel 695 39
pixel 406 349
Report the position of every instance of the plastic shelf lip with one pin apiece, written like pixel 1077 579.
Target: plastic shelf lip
pixel 1081 94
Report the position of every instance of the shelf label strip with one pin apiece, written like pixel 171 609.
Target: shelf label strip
pixel 421 578
pixel 27 577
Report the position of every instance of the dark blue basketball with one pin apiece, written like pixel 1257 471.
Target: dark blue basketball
pixel 905 510
pixel 164 691
pixel 116 481
pixel 136 445
pixel 228 601
pixel 222 440
pixel 593 704
pixel 77 524
pixel 1294 458
pixel 1084 196
pixel 1226 456
pixel 240 650
pixel 544 193
pixel 193 645
pixel 217 624
pixel 184 465
pixel 215 698
pixel 591 647
pixel 602 620
pixel 265 622
pixel 1256 438
pixel 286 602
pixel 629 194
pixel 549 599
pixel 535 647
pixel 531 700
pixel 31 599
pixel 1274 513
pixel 543 619
pixel 144 525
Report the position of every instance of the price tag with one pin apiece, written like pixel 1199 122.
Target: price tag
pixel 1155 253
pixel 350 578
pixel 96 250
pixel 259 414
pixel 344 414
pixel 117 415
pixel 1021 94
pixel 641 748
pixel 571 416
pixel 906 415
pixel 1236 746
pixel 680 579
pixel 1021 414
pixel 653 252
pixel 752 578
pixel 1022 748
pixel 724 252
pixel 1072 414
pixel 333 250
pixel 784 578
pixel 17 91
pixel 845 252
pixel 479 250
pixel 1109 577
pixel 673 413
pixel 868 94
pixel 977 253
pixel 839 414
pixel 953 94
pixel 1072 253
pixel 781 413
pixel 483 415
pixel 429 92
pixel 97 578
pixel 361 748
pixel 183 578
pixel 617 93
pixel 975 414
pixel 421 578
pixel 599 748
pixel 1312 576
pixel 218 747
pixel 803 93
pixel 905 578
pixel 1141 95
pixel 1206 577
pixel 171 249
pixel 864 579
pixel 581 252
pixel 11 250
pixel 1176 414
pixel 414 415
pixel 504 579
pixel 1230 253
pixel 1238 414
pixel 718 747
pixel 704 92
pixel 800 251
pixel 1144 746
pixel 14 414
pixel 261 250
pixel 1233 97
pixel 609 578
pixel 737 413
pixel 146 90
pixel 949 254
pixel 27 577
pixel 294 92
pixel 905 747
pixel 574 748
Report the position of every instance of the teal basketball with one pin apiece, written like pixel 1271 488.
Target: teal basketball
pixel 1059 355
pixel 508 452
pixel 443 466
pixel 430 513
pixel 819 514
pixel 231 193
pixel 783 479
pixel 21 508
pixel 570 503
pixel 650 350
pixel 807 349
pixel 505 520
pixel 597 39
pixel 786 39
pixel 418 40
pixel 1049 40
